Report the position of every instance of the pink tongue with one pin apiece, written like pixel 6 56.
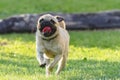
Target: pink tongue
pixel 46 29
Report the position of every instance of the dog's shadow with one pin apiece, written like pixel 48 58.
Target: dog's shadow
pixel 86 69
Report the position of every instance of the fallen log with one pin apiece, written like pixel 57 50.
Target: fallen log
pixel 82 21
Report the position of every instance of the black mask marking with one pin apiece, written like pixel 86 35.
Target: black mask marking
pixel 44 23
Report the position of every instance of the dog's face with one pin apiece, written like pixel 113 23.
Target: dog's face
pixel 47 25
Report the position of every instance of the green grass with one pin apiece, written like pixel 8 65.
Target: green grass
pixel 13 7
pixel 93 55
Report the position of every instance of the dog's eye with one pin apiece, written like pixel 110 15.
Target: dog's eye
pixel 41 20
pixel 52 21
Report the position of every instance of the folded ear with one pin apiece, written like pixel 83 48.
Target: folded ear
pixel 59 18
pixel 61 22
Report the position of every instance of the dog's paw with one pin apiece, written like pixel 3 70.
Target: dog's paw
pixel 43 65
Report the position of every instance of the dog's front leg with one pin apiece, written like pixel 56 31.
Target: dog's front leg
pixel 50 67
pixel 40 58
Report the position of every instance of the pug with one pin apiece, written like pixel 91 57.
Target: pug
pixel 52 42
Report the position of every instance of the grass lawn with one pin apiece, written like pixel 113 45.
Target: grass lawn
pixel 93 55
pixel 13 7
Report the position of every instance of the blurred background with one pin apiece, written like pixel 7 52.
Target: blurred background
pixel 13 7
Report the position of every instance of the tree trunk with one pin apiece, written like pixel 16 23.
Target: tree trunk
pixel 82 21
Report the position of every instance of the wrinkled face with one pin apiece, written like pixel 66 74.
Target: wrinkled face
pixel 47 25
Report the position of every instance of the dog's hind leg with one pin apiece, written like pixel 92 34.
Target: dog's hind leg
pixel 61 64
pixel 50 67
